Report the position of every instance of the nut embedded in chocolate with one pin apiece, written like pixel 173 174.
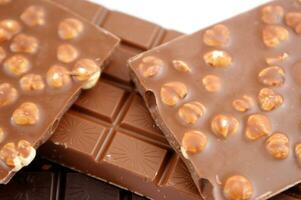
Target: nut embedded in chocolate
pixel 17 65
pixel 279 58
pixel 26 152
pixel 27 113
pixel 8 94
pixel 238 188
pixel 32 82
pixel 217 36
pixel 58 76
pixel 272 14
pixel 298 153
pixel 191 112
pixel 212 83
pixel 181 66
pixel 218 58
pixel 70 28
pixel 243 104
pixel 272 76
pixel 9 28
pixel 9 155
pixel 258 126
pixel 86 70
pixel 194 142
pixel 273 35
pixel 150 66
pixel 171 93
pixel 269 100
pixel 277 146
pixel 33 16
pixel 224 125
pixel 67 53
pixel 293 19
pixel 23 43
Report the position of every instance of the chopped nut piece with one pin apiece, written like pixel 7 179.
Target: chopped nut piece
pixel 273 35
pixel 191 112
pixel 277 146
pixel 217 36
pixel 70 28
pixel 212 83
pixel 238 188
pixel 67 53
pixel 272 76
pixel 194 142
pixel 58 76
pixel 298 153
pixel 272 14
pixel 280 58
pixel 172 92
pixel 32 82
pixel 258 126
pixel 2 2
pixel 243 104
pixel 27 114
pixel 8 94
pixel 293 19
pixel 26 152
pixel 269 100
pixel 9 28
pixel 34 16
pixel 23 43
pixel 86 70
pixel 181 66
pixel 2 135
pixel 2 54
pixel 9 155
pixel 17 65
pixel 150 66
pixel 217 58
pixel 224 125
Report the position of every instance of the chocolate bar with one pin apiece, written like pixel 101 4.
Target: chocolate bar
pixel 227 100
pixel 46 59
pixel 109 133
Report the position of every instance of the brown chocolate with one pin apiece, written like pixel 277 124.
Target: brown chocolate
pixel 246 138
pixel 35 87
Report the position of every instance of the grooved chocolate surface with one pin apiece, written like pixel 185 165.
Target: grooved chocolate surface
pixel 36 35
pixel 227 99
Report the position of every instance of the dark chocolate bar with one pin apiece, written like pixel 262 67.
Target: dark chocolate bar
pixel 47 55
pixel 227 99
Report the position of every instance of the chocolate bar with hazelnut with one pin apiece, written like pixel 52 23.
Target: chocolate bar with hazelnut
pixel 227 99
pixel 47 55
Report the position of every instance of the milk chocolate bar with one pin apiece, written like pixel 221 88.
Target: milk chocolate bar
pixel 47 55
pixel 227 99
pixel 109 133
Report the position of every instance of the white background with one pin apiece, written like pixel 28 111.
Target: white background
pixel 183 15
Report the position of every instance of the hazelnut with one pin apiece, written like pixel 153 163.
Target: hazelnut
pixel 26 152
pixel 217 58
pixel 58 76
pixel 194 142
pixel 272 14
pixel 2 54
pixel 269 100
pixel 191 112
pixel 273 35
pixel 258 126
pixel 32 82
pixel 224 125
pixel 279 58
pixel 298 153
pixel 212 83
pixel 277 146
pixel 33 16
pixel 23 43
pixel 70 28
pixel 17 65
pixel 238 188
pixel 150 66
pixel 9 155
pixel 27 114
pixel 86 70
pixel 217 36
pixel 2 2
pixel 293 19
pixel 67 53
pixel 8 94
pixel 243 104
pixel 172 92
pixel 9 28
pixel 2 135
pixel 181 66
pixel 272 76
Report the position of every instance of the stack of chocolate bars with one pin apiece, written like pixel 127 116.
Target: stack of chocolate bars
pixel 98 105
